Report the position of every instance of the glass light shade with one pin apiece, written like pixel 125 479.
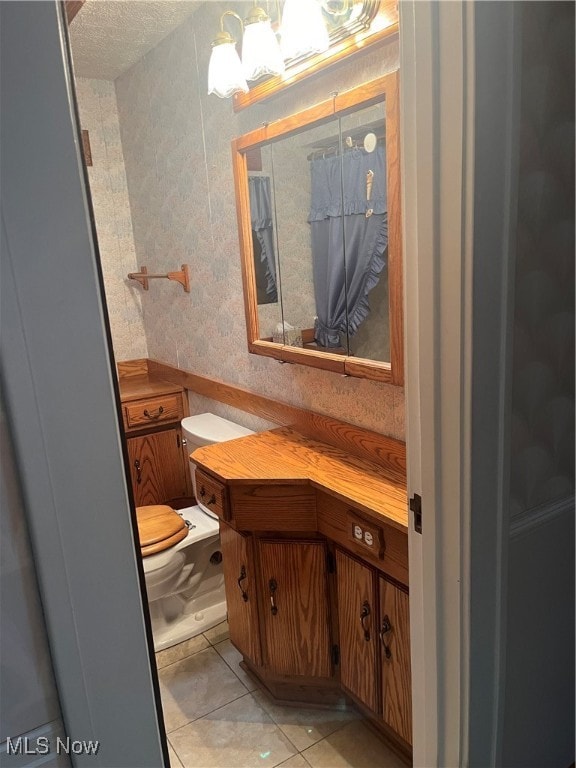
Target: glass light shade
pixel 303 29
pixel 261 53
pixel 225 71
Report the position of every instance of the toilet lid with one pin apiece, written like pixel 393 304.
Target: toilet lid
pixel 159 528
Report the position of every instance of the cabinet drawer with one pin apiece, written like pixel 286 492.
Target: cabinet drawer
pixel 212 494
pixel 277 508
pixel 364 535
pixel 157 410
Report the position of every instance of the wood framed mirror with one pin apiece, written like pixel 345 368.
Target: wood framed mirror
pixel 318 205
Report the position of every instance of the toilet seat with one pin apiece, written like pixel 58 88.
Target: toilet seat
pixel 159 528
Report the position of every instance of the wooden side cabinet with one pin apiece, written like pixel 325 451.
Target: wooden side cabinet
pixel 375 643
pixel 158 463
pixel 157 468
pixel 295 607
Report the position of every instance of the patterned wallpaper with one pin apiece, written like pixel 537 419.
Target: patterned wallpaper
pixel 99 116
pixel 176 145
pixel 543 369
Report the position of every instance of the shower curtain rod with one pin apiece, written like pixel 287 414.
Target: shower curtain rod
pixel 334 148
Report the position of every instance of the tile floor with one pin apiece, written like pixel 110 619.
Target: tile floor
pixel 217 716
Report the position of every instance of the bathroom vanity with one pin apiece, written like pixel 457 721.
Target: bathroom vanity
pixel 315 555
pixel 152 410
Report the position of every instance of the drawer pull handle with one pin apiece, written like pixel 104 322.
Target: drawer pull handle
pixel 211 500
pixel 384 630
pixel 240 580
pixel 153 416
pixel 364 614
pixel 386 627
pixel 273 587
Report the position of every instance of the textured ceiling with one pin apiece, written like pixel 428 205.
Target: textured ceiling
pixel 110 36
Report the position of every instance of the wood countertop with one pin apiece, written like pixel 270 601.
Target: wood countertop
pixel 282 456
pixel 145 385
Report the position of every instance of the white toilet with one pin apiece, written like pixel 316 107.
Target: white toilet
pixel 181 551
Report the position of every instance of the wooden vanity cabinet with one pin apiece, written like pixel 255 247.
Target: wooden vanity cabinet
pixel 357 608
pixel 375 643
pixel 396 680
pixel 295 617
pixel 239 568
pixel 315 554
pixel 277 590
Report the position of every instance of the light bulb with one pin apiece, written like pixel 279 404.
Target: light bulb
pixel 225 75
pixel 261 53
pixel 303 29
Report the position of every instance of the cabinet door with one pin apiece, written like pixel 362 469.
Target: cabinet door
pixel 240 586
pixel 157 467
pixel 295 607
pixel 357 625
pixel 395 655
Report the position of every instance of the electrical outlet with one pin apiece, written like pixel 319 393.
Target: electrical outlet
pixel 365 535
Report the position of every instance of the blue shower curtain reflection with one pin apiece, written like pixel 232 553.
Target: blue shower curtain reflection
pixel 349 253
pixel 261 220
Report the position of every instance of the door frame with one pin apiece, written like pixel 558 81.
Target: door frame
pixel 459 123
pixel 58 377
pixel 445 313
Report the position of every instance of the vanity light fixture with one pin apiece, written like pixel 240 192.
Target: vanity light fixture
pixel 225 75
pixel 302 32
pixel 261 54
pixel 303 29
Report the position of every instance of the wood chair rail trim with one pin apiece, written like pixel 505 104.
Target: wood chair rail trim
pixel 386 452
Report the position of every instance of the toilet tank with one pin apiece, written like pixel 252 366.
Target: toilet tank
pixel 206 429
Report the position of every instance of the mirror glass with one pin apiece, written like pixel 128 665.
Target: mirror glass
pixel 264 240
pixel 318 196
pixel 322 193
pixel 365 228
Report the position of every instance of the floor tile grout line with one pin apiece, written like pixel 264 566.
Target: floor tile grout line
pixel 231 668
pixel 223 640
pixel 256 698
pixel 341 725
pixel 211 712
pixel 222 706
pixel 174 750
pixel 193 653
pixel 234 671
pixel 188 656
pixel 219 641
